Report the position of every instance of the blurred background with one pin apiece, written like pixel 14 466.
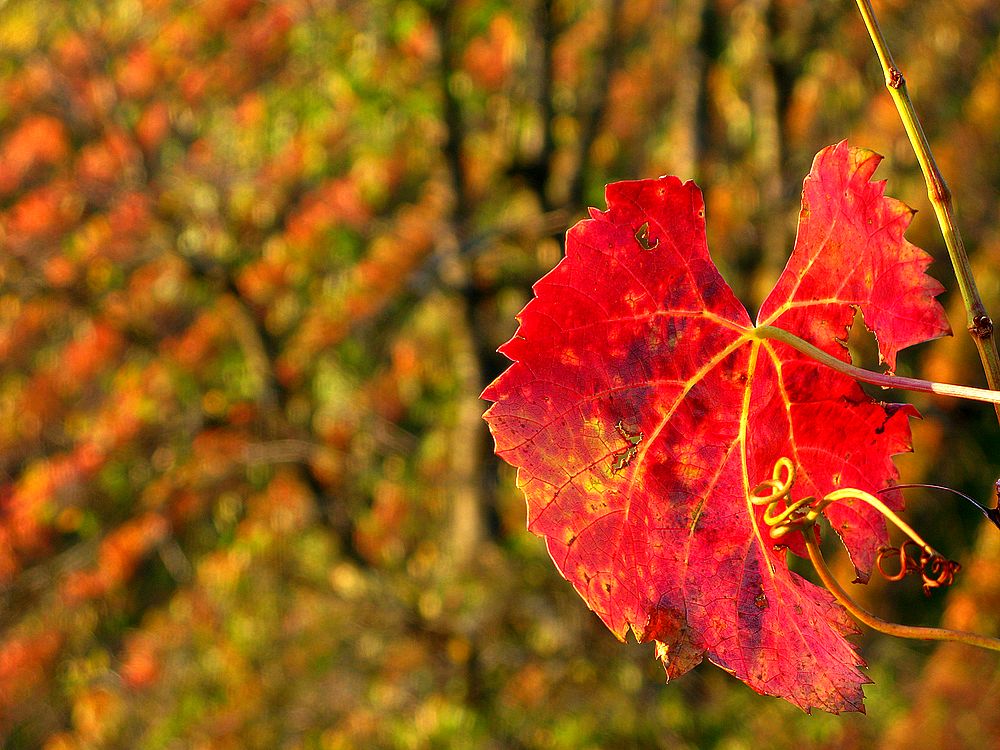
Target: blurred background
pixel 256 261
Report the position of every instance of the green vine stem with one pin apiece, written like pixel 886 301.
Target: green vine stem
pixel 877 623
pixel 802 515
pixel 978 320
pixel 851 493
pixel 877 378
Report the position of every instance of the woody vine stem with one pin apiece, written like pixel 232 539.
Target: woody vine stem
pixel 978 320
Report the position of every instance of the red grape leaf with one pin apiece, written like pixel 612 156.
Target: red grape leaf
pixel 641 410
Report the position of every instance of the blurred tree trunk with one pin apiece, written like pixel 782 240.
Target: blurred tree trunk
pixel 752 45
pixel 686 131
pixel 468 436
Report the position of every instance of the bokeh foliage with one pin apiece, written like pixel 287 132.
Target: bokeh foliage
pixel 255 259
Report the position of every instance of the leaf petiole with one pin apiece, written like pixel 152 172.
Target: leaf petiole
pixel 876 378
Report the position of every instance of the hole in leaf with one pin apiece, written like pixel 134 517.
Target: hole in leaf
pixel 862 344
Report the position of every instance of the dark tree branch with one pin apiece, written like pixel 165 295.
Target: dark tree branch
pixel 535 169
pixel 443 19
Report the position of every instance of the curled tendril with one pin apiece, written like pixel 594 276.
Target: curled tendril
pixel 935 570
pixel 777 491
pixel 783 514
pixel 939 571
pixel 907 563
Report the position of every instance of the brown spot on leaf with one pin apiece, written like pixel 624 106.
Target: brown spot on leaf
pixel 623 458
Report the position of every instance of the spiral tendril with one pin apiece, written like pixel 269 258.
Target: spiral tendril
pixel 783 514
pixel 777 492
pixel 935 570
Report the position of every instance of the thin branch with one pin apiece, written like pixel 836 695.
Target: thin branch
pixel 992 514
pixel 783 514
pixel 286 451
pixel 978 320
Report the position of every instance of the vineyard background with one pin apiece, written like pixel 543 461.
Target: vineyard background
pixel 255 260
